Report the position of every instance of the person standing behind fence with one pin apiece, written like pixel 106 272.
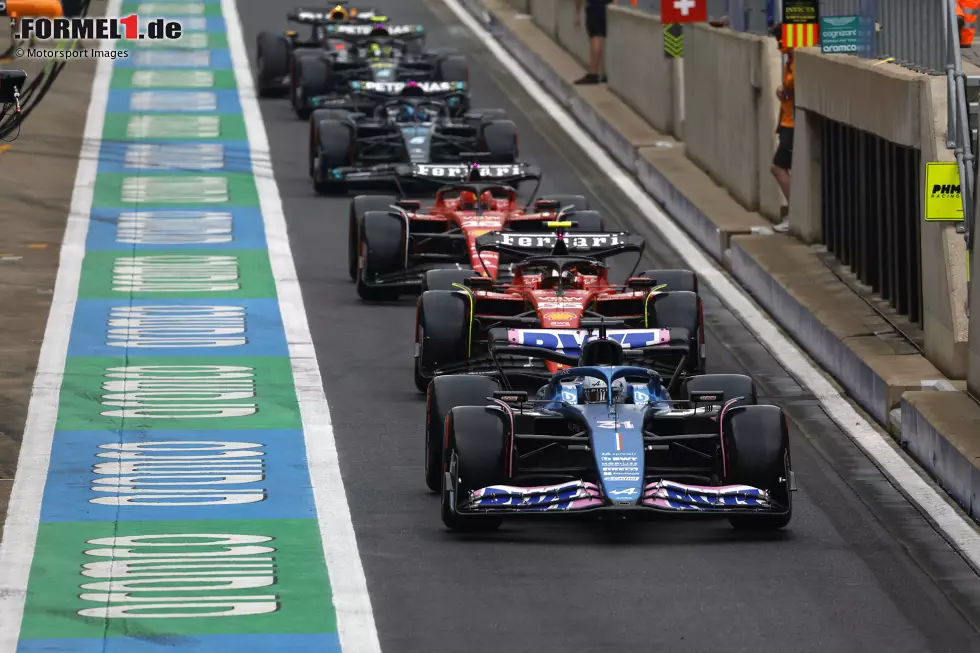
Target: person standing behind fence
pixel 595 27
pixel 782 161
pixel 966 18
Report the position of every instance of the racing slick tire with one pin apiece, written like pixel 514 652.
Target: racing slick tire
pixel 444 279
pixel 586 222
pixel 676 280
pixel 312 79
pixel 452 68
pixel 381 240
pixel 334 143
pixel 295 55
pixel 442 332
pixel 500 140
pixel 756 440
pixel 682 310
pixel 474 454
pixel 272 64
pixel 358 207
pixel 729 385
pixel 445 393
pixel 316 118
pixel 577 202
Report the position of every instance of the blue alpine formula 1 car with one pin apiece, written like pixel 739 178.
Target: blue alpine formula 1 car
pixel 605 439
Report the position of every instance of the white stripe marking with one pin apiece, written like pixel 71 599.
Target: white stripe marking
pixel 355 620
pixel 24 510
pixel 189 101
pixel 958 530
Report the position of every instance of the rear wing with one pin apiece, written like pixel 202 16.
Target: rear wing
pixel 596 245
pixel 449 174
pixel 355 31
pixel 321 16
pixel 416 89
pixel 665 351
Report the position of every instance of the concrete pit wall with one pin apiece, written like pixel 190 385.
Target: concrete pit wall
pixel 853 91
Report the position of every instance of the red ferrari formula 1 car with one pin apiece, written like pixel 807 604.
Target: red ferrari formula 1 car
pixel 556 301
pixel 394 242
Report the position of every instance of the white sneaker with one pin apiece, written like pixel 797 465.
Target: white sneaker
pixel 782 227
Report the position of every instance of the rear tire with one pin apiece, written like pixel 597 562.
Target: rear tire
pixel 334 145
pixel 442 333
pixel 757 453
pixel 443 394
pixel 477 440
pixel 382 238
pixel 729 385
pixel 676 280
pixel 680 310
pixel 500 140
pixel 272 64
pixel 358 207
pixel 452 68
pixel 577 202
pixel 587 222
pixel 312 79
pixel 444 279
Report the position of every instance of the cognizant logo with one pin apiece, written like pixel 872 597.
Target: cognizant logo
pixel 125 28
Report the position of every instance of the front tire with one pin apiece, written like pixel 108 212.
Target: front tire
pixel 334 149
pixel 358 207
pixel 381 252
pixel 757 453
pixel 445 393
pixel 272 64
pixel 474 457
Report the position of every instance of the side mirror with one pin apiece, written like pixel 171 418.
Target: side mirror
pixel 479 282
pixel 511 396
pixel 11 83
pixel 547 206
pixel 707 398
pixel 641 283
pixel 409 205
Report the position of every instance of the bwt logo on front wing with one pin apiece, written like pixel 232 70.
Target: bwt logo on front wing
pixel 82 29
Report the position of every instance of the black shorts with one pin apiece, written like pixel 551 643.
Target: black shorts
pixel 595 19
pixel 784 152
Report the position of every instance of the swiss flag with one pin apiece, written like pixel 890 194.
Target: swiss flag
pixel 683 11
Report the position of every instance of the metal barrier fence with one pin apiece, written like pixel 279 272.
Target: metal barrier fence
pixel 911 32
pixel 870 212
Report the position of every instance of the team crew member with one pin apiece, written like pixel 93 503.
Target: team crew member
pixel 595 27
pixel 966 18
pixel 782 162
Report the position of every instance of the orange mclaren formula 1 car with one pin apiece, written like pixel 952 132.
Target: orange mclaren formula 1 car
pixel 556 301
pixel 394 242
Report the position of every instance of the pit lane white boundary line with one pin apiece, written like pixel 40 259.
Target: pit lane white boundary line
pixel 24 507
pixel 356 627
pixel 954 526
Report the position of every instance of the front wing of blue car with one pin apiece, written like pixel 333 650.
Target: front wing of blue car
pixel 582 496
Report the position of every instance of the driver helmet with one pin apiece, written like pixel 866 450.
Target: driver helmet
pixel 595 390
pixel 486 200
pixel 339 13
pixel 378 51
pixel 406 113
pixel 467 200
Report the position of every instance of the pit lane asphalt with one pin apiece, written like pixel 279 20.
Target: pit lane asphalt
pixel 858 570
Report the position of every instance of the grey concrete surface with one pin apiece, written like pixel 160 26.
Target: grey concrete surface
pixel 33 213
pixel 859 570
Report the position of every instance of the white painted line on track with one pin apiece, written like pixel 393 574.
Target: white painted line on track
pixel 953 525
pixel 355 619
pixel 24 508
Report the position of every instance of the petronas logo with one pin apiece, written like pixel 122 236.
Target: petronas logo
pixel 673 41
